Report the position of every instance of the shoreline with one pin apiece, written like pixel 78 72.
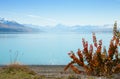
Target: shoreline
pixel 57 72
pixel 33 65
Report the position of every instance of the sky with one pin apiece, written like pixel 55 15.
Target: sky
pixel 66 12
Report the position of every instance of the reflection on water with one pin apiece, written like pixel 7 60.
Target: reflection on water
pixel 3 36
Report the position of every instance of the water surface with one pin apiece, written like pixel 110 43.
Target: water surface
pixel 44 48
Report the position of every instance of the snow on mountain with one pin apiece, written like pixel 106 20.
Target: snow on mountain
pixel 12 26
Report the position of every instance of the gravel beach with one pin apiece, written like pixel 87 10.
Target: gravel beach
pixel 57 72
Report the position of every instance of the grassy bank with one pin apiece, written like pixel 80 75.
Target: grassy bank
pixel 16 71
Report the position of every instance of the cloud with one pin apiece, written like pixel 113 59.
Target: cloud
pixel 42 18
pixel 33 16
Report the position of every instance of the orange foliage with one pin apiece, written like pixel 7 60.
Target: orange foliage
pixel 98 62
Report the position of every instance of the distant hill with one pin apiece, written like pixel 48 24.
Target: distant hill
pixel 77 28
pixel 90 28
pixel 12 26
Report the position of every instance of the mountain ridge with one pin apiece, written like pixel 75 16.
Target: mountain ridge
pixel 13 26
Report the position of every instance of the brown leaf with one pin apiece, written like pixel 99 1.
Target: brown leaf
pixel 72 62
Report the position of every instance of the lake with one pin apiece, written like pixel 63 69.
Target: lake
pixel 44 48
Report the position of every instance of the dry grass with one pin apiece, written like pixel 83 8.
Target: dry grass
pixel 16 71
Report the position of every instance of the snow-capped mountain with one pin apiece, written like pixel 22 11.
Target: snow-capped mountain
pixel 77 28
pixel 12 26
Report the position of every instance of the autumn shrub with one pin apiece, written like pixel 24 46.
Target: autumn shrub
pixel 94 60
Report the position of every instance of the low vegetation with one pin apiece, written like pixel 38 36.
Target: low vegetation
pixel 95 61
pixel 17 71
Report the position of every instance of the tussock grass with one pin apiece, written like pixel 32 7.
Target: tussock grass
pixel 16 71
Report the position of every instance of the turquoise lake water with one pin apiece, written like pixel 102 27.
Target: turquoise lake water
pixel 44 48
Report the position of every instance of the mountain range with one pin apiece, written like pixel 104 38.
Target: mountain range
pixel 13 26
pixel 77 28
